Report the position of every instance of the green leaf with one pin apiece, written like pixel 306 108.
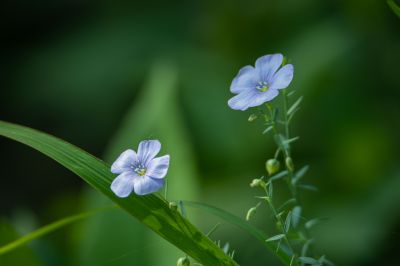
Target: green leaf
pixel 270 190
pixel 268 129
pixel 299 174
pixel 296 215
pixel 275 238
pixel 313 222
pixel 309 261
pixel 288 141
pixel 308 187
pixel 279 175
pixel 46 230
pixel 23 256
pixel 280 141
pixel 139 123
pixel 286 203
pixel 151 210
pixel 291 93
pixel 394 7
pixel 242 224
pixel 294 106
pixel 288 221
pixel 306 247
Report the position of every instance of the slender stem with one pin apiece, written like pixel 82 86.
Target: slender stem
pixel 285 109
pixel 279 221
pixel 166 188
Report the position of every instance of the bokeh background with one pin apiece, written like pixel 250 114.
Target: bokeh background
pixel 104 76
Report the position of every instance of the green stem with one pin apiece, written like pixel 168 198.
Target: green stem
pixel 279 220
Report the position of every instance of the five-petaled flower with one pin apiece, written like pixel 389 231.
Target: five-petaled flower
pixel 140 172
pixel 257 85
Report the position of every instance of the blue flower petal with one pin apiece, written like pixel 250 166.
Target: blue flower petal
pixel 282 78
pixel 122 186
pixel 251 98
pixel 248 77
pixel 124 162
pixel 267 65
pixel 242 100
pixel 148 149
pixel 158 167
pixel 145 185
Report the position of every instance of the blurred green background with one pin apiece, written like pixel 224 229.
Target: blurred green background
pixel 104 76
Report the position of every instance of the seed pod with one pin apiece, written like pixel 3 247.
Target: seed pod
pixel 272 166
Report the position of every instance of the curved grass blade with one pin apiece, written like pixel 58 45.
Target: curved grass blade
pixel 242 224
pixel 394 7
pixel 151 210
pixel 47 229
pixel 163 122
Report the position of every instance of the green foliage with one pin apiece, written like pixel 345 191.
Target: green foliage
pixel 394 7
pixel 155 114
pixel 242 224
pixel 151 210
pixel 22 256
pixel 46 230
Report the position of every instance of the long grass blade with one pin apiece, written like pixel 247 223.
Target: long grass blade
pixel 151 210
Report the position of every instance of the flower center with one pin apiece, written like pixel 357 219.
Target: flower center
pixel 139 169
pixel 262 86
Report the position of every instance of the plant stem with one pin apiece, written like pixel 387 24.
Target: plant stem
pixel 279 221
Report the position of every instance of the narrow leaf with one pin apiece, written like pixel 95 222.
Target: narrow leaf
pixel 308 187
pixel 309 261
pixel 296 214
pixel 394 7
pixel 292 114
pixel 299 174
pixel 288 141
pixel 313 222
pixel 270 190
pixel 294 106
pixel 286 203
pixel 288 221
pixel 47 230
pixel 279 175
pixel 151 210
pixel 268 129
pixel 242 224
pixel 275 238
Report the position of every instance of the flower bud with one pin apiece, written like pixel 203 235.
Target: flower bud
pixel 184 261
pixel 257 183
pixel 272 166
pixel 173 206
pixel 289 164
pixel 252 117
pixel 250 213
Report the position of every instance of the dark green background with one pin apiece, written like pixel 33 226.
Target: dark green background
pixel 75 69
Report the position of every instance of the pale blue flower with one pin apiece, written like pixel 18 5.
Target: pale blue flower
pixel 257 85
pixel 140 172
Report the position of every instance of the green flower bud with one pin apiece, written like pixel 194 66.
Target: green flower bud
pixel 252 117
pixel 257 183
pixel 250 213
pixel 289 164
pixel 173 206
pixel 272 166
pixel 184 261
